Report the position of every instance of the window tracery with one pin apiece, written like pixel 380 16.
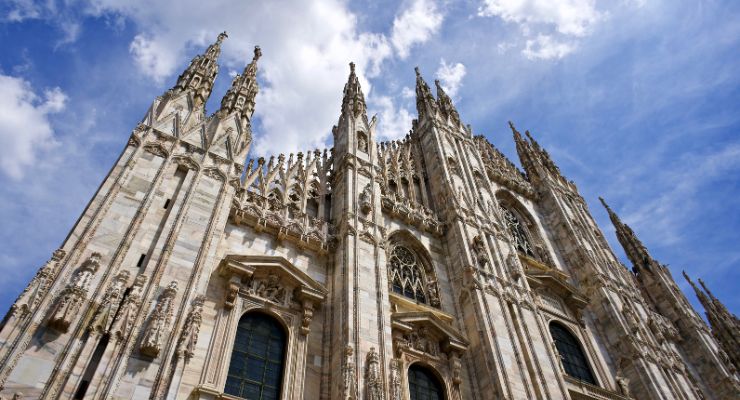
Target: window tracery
pixel 408 277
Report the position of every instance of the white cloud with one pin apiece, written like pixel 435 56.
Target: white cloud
pixel 550 28
pixel 19 10
pixel 415 25
pixel 25 129
pixel 545 48
pixel 306 50
pixel 153 58
pixel 393 122
pixel 450 76
pixel 569 17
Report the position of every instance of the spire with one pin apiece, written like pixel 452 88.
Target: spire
pixel 353 102
pixel 425 103
pixel 636 251
pixel 445 104
pixel 244 88
pixel 725 325
pixel 201 73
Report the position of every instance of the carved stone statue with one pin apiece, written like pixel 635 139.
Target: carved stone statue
pixel 189 336
pixel 69 302
pixel 373 383
pixel 433 292
pixel 349 388
pixel 159 322
pixel 108 307
pixel 366 199
pixel 624 385
pixel 31 296
pixel 395 379
pixel 126 315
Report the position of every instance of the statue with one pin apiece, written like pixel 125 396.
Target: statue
pixel 349 389
pixel 373 383
pixel 270 289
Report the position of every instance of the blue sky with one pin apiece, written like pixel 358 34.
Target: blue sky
pixel 636 100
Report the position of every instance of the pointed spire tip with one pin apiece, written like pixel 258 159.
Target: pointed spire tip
pixel 352 67
pixel 257 53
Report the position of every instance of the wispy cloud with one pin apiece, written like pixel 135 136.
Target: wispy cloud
pixel 450 76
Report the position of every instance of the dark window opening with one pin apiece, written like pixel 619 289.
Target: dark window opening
pixel 256 367
pixel 423 385
pixel 571 354
pixel 141 260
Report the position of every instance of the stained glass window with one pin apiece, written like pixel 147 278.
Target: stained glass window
pixel 423 385
pixel 406 274
pixel 256 368
pixel 571 354
pixel 521 240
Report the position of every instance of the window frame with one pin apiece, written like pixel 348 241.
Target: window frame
pixel 566 359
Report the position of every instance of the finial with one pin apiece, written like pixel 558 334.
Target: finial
pixel 418 73
pixel 601 199
pixel 221 37
pixel 257 53
pixel 352 67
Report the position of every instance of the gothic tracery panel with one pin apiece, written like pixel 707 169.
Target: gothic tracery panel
pixel 407 276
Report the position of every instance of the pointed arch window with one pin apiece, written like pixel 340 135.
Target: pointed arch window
pixel 423 385
pixel 408 277
pixel 571 354
pixel 519 232
pixel 256 367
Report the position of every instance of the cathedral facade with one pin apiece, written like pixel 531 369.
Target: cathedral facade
pixel 424 268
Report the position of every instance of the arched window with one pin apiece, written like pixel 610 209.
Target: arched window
pixel 407 274
pixel 571 354
pixel 256 368
pixel 423 385
pixel 521 240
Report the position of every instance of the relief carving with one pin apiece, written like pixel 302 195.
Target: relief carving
pixel 31 296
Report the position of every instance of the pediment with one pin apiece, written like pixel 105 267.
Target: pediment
pixel 243 268
pixel 569 293
pixel 414 322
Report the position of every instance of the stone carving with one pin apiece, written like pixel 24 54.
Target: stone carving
pixel 159 322
pixel 271 289
pixel 349 375
pixel 189 335
pixel 479 251
pixel 124 320
pixel 31 296
pixel 433 292
pixel 395 379
pixel 456 374
pixel 366 199
pixel 373 382
pixel 362 142
pixel 108 307
pixel 422 341
pixel 624 385
pixel 69 302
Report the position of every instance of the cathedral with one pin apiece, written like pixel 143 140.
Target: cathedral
pixel 424 268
